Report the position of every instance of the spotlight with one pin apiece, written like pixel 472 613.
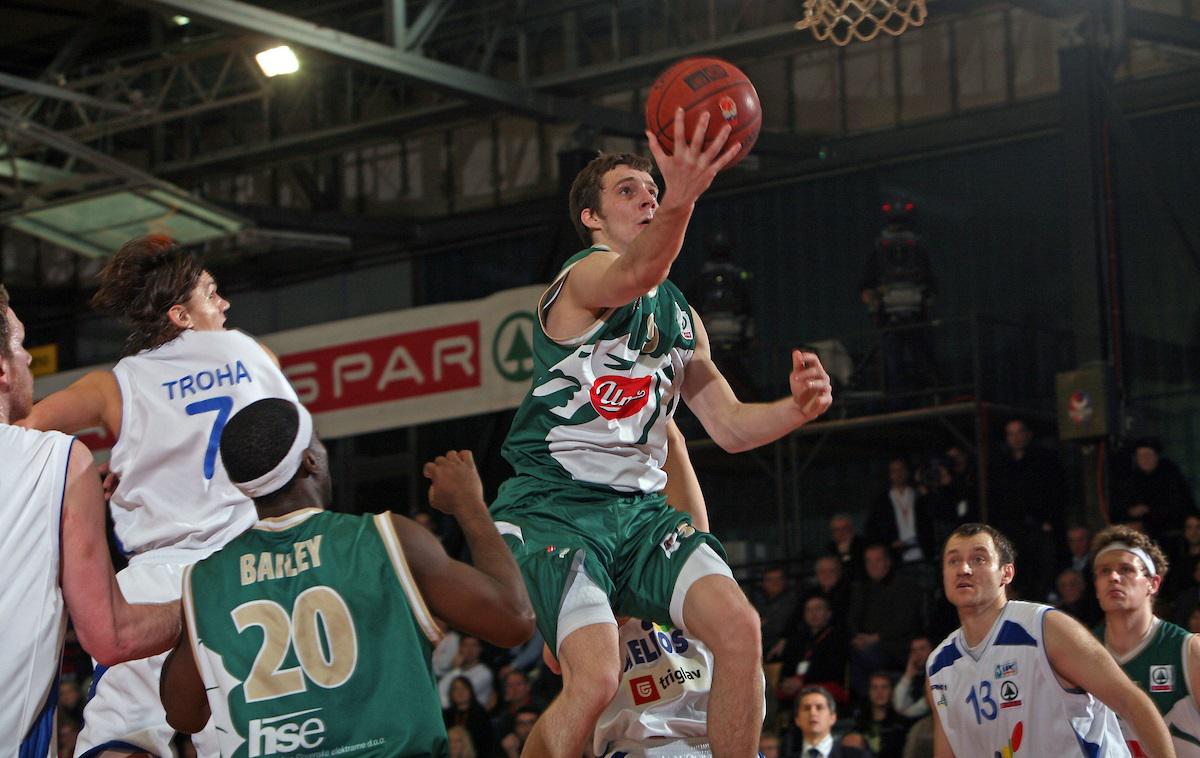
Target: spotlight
pixel 180 20
pixel 277 61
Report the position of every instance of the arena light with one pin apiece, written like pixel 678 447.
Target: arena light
pixel 180 20
pixel 277 61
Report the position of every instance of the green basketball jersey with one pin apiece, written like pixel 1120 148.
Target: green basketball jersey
pixel 599 404
pixel 312 639
pixel 1159 666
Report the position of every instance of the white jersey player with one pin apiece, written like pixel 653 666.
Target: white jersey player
pixel 174 504
pixel 1021 679
pixel 53 557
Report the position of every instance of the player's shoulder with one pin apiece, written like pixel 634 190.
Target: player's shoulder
pixel 17 438
pixel 946 654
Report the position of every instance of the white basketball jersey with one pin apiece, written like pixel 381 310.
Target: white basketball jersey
pixel 33 476
pixel 1005 700
pixel 663 696
pixel 174 492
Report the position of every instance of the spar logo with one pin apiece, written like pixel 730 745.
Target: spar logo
pixel 512 351
pixel 1162 678
pixel 616 397
pixel 644 690
pixel 286 734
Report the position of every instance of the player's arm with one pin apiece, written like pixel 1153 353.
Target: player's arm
pixel 941 745
pixel 182 690
pixel 92 400
pixel 738 426
pixel 610 280
pixel 109 628
pixel 1191 665
pixel 270 354
pixel 1078 657
pixel 683 488
pixel 487 600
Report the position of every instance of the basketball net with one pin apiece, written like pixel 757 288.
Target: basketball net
pixel 845 20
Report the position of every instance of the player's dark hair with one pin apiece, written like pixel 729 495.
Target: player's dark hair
pixel 141 282
pixel 1133 538
pixel 816 689
pixel 257 438
pixel 585 190
pixel 4 335
pixel 1004 546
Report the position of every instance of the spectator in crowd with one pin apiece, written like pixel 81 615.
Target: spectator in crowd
pixel 1075 599
pixel 1184 554
pixel 919 742
pixel 518 694
pixel 811 733
pixel 460 742
pixel 1151 494
pixel 1193 621
pixel 468 664
pixel 775 601
pixel 68 733
pixel 964 484
pixel 70 698
pixel 898 518
pixel 847 544
pixel 831 583
pixel 883 729
pixel 1025 500
pixel 513 742
pixel 525 657
pixel 1079 543
pixel 445 655
pixel 939 500
pixel 1187 597
pixel 815 655
pixel 908 696
pixel 885 613
pixel 770 746
pixel 467 712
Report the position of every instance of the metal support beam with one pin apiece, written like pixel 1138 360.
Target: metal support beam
pixel 426 24
pixel 59 93
pixel 463 82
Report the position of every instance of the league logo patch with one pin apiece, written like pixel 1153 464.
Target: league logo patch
pixel 685 324
pixel 670 543
pixel 1006 669
pixel 644 690
pixel 616 397
pixel 1162 678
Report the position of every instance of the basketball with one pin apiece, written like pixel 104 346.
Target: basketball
pixel 704 85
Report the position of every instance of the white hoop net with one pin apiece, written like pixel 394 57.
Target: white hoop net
pixel 845 20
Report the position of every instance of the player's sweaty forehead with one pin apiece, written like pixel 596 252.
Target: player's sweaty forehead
pixel 975 544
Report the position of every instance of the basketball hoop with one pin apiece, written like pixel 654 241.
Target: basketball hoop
pixel 844 20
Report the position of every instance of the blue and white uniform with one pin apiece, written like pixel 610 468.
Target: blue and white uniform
pixel 1003 699
pixel 33 480
pixel 174 504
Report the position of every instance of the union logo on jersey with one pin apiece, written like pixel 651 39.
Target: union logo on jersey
pixel 616 397
pixel 1162 678
pixel 644 690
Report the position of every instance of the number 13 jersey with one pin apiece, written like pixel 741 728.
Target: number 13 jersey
pixel 1003 698
pixel 175 399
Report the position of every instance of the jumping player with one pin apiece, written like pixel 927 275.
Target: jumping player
pixel 342 606
pixel 615 348
pixel 1020 678
pixel 53 550
pixel 1160 657
pixel 165 403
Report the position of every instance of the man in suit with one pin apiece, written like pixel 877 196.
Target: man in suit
pixel 812 733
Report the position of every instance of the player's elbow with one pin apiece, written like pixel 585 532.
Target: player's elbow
pixel 187 720
pixel 517 630
pixel 104 646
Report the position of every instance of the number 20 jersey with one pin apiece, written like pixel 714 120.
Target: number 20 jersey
pixel 1006 701
pixel 175 399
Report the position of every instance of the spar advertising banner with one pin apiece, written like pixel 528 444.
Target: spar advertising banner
pixel 397 369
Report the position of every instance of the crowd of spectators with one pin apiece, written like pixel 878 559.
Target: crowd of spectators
pixel 846 634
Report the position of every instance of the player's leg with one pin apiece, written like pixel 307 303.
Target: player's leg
pixel 590 669
pixel 716 611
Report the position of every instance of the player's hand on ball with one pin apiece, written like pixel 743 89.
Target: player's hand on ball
pixel 811 388
pixel 453 482
pixel 689 171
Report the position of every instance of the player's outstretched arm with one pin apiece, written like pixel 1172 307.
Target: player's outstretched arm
pixel 182 690
pixel 1192 667
pixel 487 600
pixel 941 745
pixel 738 426
pixel 683 488
pixel 109 628
pixel 92 400
pixel 1078 657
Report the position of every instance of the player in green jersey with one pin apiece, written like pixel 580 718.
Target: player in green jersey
pixel 1160 657
pixel 615 348
pixel 312 631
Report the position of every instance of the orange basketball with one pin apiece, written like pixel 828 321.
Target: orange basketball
pixel 700 85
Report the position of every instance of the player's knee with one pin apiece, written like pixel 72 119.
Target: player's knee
pixel 593 689
pixel 739 634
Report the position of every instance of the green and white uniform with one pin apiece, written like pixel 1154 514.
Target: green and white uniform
pixel 312 637
pixel 588 444
pixel 1159 666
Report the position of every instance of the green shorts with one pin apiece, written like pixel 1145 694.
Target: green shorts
pixel 632 547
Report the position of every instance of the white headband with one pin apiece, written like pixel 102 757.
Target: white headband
pixel 1150 568
pixel 283 472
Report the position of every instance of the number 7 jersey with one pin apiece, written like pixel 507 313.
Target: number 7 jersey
pixel 175 399
pixel 1003 699
pixel 312 638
